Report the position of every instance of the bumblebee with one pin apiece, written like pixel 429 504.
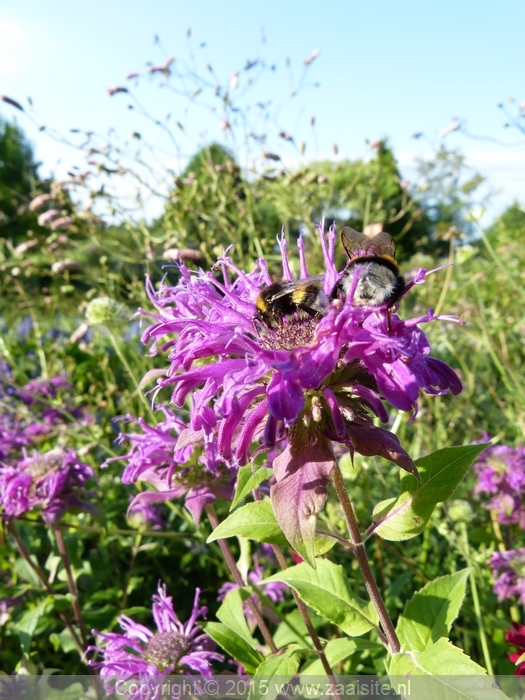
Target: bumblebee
pixel 282 299
pixel 372 258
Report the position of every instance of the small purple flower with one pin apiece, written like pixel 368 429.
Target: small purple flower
pixel 509 567
pixel 52 481
pixel 301 385
pixel 175 647
pixel 169 457
pixel 29 413
pixel 501 473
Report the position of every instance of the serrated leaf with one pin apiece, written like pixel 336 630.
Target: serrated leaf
pixel 274 671
pixel 441 672
pixel 231 614
pixel 430 613
pixel 327 591
pixel 440 472
pixel 247 481
pixel 338 650
pixel 234 645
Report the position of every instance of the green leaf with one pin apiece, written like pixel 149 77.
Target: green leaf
pixel 293 630
pixel 430 613
pixel 63 641
pixel 247 481
pixel 441 672
pixel 255 521
pixel 327 591
pixel 336 651
pixel 232 614
pixel 25 571
pixel 274 671
pixel 440 472
pixel 29 621
pixel 234 645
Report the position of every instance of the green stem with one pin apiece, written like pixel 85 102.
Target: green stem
pixel 126 365
pixel 134 552
pixel 475 600
pixel 390 636
pixel 118 531
pixel 514 612
pixel 25 554
pixel 448 277
pixel 232 565
pixel 306 618
pixel 62 549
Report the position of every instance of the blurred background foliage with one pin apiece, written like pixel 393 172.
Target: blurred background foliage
pixel 52 265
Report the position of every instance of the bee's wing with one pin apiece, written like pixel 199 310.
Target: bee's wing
pixel 289 287
pixel 354 242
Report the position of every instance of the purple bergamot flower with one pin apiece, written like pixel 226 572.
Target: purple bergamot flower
pixel 301 384
pixel 501 473
pixel 175 647
pixel 52 481
pixel 31 411
pixel 158 457
pixel 509 568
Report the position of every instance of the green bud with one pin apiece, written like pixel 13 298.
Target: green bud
pixel 460 511
pixel 101 310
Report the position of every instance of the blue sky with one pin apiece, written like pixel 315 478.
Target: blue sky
pixel 385 69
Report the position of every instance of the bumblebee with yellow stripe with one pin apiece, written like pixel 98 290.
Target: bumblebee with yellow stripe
pixel 282 299
pixel 373 259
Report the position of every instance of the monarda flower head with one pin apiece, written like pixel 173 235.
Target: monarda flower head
pixel 176 647
pixel 300 384
pixel 173 469
pixel 501 473
pixel 53 481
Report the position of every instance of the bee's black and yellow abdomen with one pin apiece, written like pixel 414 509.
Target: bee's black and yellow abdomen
pixel 282 299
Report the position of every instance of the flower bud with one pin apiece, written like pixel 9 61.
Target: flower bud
pixel 101 310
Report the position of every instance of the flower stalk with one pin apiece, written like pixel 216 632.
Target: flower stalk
pixel 62 549
pixel 25 554
pixel 389 637
pixel 232 565
pixel 306 618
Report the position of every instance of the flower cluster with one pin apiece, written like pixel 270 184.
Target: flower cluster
pixel 509 567
pixel 501 473
pixel 52 481
pixel 175 647
pixel 298 386
pixel 28 413
pixel 252 383
pixel 169 457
